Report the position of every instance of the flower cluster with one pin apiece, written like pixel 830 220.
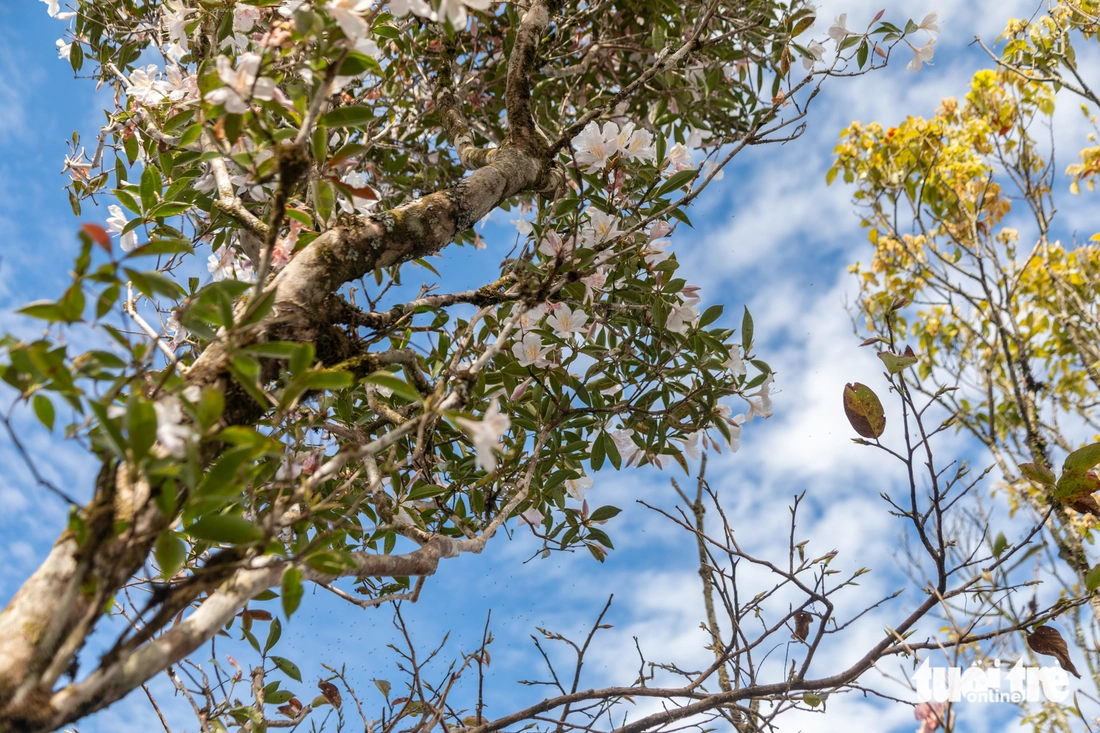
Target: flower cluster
pixel 596 147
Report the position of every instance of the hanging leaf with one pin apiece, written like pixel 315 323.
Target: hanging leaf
pixel 864 410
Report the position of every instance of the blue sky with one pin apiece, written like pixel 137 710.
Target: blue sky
pixel 770 235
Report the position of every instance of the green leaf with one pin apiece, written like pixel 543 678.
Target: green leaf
pixel 45 310
pixel 710 315
pixel 599 451
pixel 292 591
pixel 1085 458
pixel 604 513
pixel 347 117
pixel 150 188
pixel 163 247
pixel 170 552
pixel 895 363
pixel 141 426
pixel 999 544
pixel 330 562
pixel 811 699
pixel 168 208
pixel 329 379
pixel 1037 473
pixel 746 331
pixel 227 528
pixel 674 182
pixel 289 668
pixel 153 283
pixel 273 635
pixel 43 408
pixel 383 687
pixel 399 386
pixel 1092 578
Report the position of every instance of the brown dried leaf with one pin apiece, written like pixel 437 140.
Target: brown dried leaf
pixel 802 621
pixel 1083 504
pixel 1046 640
pixel 291 709
pixel 330 692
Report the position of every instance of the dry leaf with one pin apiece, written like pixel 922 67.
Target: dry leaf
pixel 802 621
pixel 291 709
pixel 1046 640
pixel 330 692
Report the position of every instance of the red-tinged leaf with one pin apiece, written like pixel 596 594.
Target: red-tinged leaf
pixel 878 16
pixel 366 192
pixel 879 52
pixel 872 340
pixel 99 235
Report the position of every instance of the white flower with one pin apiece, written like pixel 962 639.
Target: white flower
pixel 358 204
pixel 246 186
pixel 401 8
pixel 655 253
pixel 931 23
pixel 241 83
pixel 182 87
pixel 697 137
pixel 116 223
pixel 531 317
pixel 52 8
pixel 174 18
pixel 601 228
pixel 552 244
pixel 712 167
pixel 628 450
pixel 760 401
pixel 172 432
pixel 455 11
pixel 612 390
pixel 290 468
pixel 532 516
pixel 523 226
pixel 735 431
pixel 177 333
pixel 839 30
pixel 637 144
pixel 659 229
pixel 577 486
pixel 594 282
pixel 681 316
pixel 228 265
pixel 595 148
pixel 922 55
pixel 565 321
pixel 146 88
pixel 63 49
pixel 679 158
pixel 691 445
pixel 734 363
pixel 245 17
pixel 206 183
pixel 486 433
pixel 530 351
pixel 348 14
pixel 290 7
pixel 817 52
